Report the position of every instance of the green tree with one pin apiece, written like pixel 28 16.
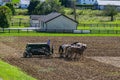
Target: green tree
pixel 10 5
pixel 49 6
pixel 42 8
pixel 66 3
pixel 55 5
pixel 32 6
pixel 5 15
pixel 74 8
pixel 110 11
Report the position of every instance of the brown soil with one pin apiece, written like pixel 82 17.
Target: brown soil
pixel 12 48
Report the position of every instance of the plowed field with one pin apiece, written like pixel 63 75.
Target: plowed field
pixel 12 48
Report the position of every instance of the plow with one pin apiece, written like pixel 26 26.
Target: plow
pixel 67 51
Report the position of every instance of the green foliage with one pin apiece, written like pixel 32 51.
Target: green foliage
pixel 66 3
pixel 10 5
pixel 45 7
pixel 3 21
pixel 5 15
pixel 32 6
pixel 21 11
pixel 55 34
pixel 110 11
pixel 15 1
pixel 42 8
pixel 8 72
pixel 55 5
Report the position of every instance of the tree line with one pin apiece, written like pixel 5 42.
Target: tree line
pixel 5 15
pixel 46 7
pixel 37 7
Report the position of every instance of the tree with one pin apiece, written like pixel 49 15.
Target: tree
pixel 66 3
pixel 110 11
pixel 74 9
pixel 55 5
pixel 42 8
pixel 5 15
pixel 32 6
pixel 10 5
pixel 48 6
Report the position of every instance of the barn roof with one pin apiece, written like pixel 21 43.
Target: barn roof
pixel 24 1
pixel 49 17
pixel 109 2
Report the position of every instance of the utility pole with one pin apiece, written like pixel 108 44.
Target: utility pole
pixel 74 9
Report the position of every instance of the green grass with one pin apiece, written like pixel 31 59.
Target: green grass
pixel 91 16
pixel 21 16
pixel 15 1
pixel 56 34
pixel 17 26
pixel 97 28
pixel 8 72
pixel 21 11
pixel 24 19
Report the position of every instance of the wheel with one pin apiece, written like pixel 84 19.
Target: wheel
pixel 29 55
pixel 24 54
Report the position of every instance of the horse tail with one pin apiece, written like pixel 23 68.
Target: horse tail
pixel 61 51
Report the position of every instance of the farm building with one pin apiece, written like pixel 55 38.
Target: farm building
pixel 24 4
pixel 53 22
pixel 3 2
pixel 88 2
pixel 98 4
pixel 101 4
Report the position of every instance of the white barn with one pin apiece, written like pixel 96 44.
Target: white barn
pixel 24 4
pixel 86 2
pixel 53 22
pixel 103 3
pixel 99 4
pixel 3 2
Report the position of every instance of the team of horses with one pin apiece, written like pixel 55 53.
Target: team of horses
pixel 72 51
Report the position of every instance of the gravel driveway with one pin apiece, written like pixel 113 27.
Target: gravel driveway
pixel 115 61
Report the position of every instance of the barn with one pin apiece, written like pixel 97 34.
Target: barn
pixel 103 3
pixel 53 22
pixel 3 2
pixel 24 4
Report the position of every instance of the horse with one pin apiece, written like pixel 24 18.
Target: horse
pixel 62 50
pixel 75 51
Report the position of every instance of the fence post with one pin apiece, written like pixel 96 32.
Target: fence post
pixel 107 31
pixel 27 30
pixel 116 25
pixel 84 25
pixel 18 30
pixel 9 30
pixel 12 23
pixel 104 25
pixel 20 22
pixel 116 31
pixel 97 25
pixel 3 30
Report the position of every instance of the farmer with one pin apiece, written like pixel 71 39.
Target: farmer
pixel 48 42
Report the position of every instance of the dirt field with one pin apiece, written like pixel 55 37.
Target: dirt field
pixel 11 49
